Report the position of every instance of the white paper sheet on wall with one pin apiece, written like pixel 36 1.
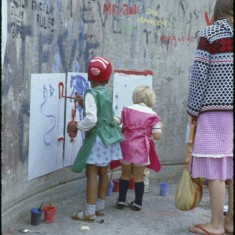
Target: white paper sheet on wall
pixel 123 85
pixel 76 82
pixel 46 125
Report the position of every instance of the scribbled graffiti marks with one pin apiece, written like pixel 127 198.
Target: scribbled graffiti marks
pixel 44 15
pixel 174 40
pixel 17 15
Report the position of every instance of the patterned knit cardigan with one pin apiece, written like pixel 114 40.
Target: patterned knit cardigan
pixel 211 82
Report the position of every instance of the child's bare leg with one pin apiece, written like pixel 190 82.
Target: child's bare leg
pixel 138 173
pixel 228 221
pixel 126 172
pixel 103 182
pixel 89 213
pixel 102 188
pixel 92 183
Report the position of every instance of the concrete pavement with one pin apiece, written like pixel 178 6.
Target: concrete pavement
pixel 157 217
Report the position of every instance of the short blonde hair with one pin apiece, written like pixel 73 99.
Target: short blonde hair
pixel 144 94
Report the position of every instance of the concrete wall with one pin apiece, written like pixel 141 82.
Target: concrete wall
pixel 60 36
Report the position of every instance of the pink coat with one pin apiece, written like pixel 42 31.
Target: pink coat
pixel 138 144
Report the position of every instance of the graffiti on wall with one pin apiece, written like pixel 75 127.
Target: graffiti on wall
pixel 44 14
pixel 121 9
pixel 154 20
pixel 85 44
pixel 44 18
pixel 175 40
pixel 209 21
pixel 128 10
pixel 17 15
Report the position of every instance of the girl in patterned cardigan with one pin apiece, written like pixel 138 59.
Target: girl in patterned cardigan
pixel 210 106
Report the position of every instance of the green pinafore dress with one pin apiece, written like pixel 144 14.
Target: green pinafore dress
pixel 105 130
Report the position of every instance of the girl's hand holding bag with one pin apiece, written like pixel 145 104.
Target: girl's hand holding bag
pixel 189 191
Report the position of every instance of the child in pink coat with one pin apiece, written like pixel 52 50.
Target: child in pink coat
pixel 140 126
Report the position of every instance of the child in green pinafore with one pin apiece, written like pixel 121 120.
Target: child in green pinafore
pixel 101 143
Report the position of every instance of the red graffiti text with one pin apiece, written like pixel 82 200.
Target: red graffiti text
pixel 173 40
pixel 118 9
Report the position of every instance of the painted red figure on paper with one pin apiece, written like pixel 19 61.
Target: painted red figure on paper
pixel 208 21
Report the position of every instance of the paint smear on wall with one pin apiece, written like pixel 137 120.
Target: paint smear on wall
pixel 124 84
pixel 76 82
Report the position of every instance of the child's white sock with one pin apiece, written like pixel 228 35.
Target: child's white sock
pixel 100 204
pixel 90 209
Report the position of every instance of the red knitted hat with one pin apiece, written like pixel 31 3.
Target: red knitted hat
pixel 99 69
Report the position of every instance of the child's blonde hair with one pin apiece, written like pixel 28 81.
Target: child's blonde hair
pixel 144 94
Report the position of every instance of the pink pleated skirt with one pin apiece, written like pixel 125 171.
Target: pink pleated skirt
pixel 212 152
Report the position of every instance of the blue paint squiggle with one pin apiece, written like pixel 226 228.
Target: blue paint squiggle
pixel 48 116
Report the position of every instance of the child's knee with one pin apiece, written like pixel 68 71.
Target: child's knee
pixel 103 171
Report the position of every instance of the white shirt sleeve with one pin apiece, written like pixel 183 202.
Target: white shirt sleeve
pixel 118 118
pixel 157 128
pixel 90 118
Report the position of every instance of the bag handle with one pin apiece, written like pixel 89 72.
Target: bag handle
pixel 190 142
